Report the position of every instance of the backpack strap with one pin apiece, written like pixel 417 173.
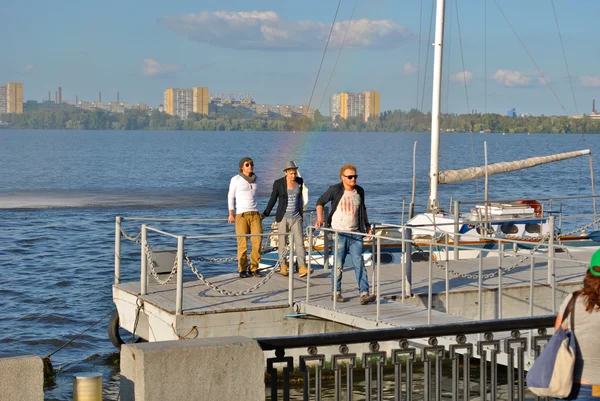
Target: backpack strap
pixel 570 311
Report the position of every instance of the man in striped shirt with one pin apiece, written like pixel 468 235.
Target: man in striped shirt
pixel 242 196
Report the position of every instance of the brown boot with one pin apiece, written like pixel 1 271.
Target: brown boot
pixel 284 270
pixel 304 271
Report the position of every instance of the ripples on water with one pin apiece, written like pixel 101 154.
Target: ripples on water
pixel 60 193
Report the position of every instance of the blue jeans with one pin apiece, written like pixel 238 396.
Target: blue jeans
pixel 582 392
pixel 350 245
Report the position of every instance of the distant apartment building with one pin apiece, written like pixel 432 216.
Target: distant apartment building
pixel 14 97
pixel 200 100
pixel 178 102
pixel 350 105
pixel 372 108
pixel 181 102
pixel 2 99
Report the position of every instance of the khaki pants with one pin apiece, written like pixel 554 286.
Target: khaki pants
pixel 288 225
pixel 248 223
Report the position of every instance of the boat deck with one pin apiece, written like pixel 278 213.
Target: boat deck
pixel 199 299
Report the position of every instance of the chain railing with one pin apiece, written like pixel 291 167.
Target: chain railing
pixel 189 260
pixel 152 264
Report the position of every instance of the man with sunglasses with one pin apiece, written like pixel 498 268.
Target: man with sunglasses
pixel 348 213
pixel 242 195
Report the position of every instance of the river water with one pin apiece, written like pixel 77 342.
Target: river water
pixel 61 190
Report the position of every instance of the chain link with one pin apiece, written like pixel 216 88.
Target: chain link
pixel 130 238
pixel 212 260
pixel 148 252
pixel 239 293
pixel 488 275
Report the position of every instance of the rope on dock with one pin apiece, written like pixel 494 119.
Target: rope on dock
pixel 49 372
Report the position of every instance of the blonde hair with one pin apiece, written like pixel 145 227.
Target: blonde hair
pixel 347 167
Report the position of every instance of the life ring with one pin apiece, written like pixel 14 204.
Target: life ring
pixel 535 205
pixel 113 332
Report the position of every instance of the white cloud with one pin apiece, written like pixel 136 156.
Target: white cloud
pixel 153 68
pixel 591 81
pixel 266 30
pixel 461 77
pixel 410 68
pixel 28 68
pixel 513 78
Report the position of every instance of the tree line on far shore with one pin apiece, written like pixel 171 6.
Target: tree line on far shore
pixel 388 121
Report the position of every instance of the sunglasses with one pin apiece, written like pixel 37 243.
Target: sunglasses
pixel 249 164
pixel 351 177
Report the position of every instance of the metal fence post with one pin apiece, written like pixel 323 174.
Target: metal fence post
pixel 378 279
pixel 179 300
pixel 117 250
pixel 310 249
pixel 144 262
pixel 335 269
pixel 326 243
pixel 430 284
pixel 406 257
pixel 456 229
pixel 291 272
pixel 500 257
pixel 551 252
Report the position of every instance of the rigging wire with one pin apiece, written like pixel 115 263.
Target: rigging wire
pixel 427 57
pixel 562 46
pixel 419 53
pixel 564 55
pixel 546 82
pixel 485 56
pixel 323 58
pixel 339 53
pixel 462 57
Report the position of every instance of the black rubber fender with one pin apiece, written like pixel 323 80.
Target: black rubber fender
pixel 113 332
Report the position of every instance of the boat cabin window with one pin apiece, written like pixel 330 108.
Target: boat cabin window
pixel 533 228
pixel 508 228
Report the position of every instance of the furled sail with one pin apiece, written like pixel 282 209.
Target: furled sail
pixel 451 176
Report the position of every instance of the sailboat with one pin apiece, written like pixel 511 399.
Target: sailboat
pixel 522 219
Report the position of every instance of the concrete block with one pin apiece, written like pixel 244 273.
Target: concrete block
pixel 224 369
pixel 21 378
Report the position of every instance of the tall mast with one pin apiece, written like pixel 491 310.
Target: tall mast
pixel 436 105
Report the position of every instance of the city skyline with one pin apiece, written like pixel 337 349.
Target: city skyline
pixel 273 49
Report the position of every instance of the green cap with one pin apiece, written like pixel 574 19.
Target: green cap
pixel 595 262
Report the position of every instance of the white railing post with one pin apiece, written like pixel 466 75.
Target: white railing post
pixel 144 262
pixel 309 262
pixel 550 252
pixel 335 269
pixel 430 284
pixel 118 250
pixel 480 285
pixel 403 256
pixel 291 272
pixel 447 271
pixel 456 229
pixel 378 280
pixel 531 302
pixel 500 257
pixel 179 300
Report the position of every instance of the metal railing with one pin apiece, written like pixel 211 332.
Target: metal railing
pixel 433 247
pixel 414 372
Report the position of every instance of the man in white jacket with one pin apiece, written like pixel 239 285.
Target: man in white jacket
pixel 242 195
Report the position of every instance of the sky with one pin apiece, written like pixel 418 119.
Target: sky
pixel 511 51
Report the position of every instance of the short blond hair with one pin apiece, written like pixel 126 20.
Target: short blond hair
pixel 347 167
